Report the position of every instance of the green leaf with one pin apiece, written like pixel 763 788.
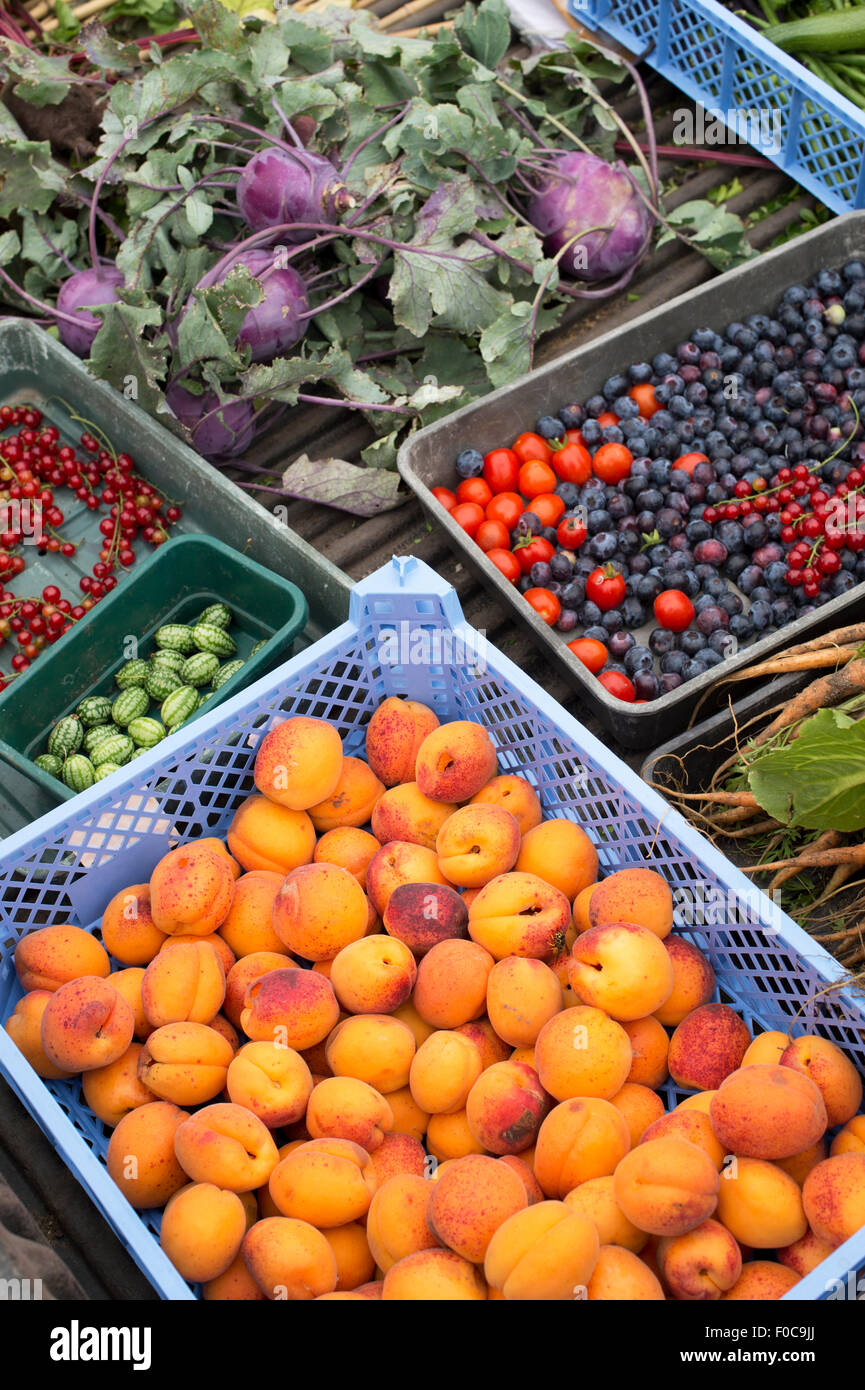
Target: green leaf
pixel 818 782
pixel 29 177
pixel 104 50
pixel 68 25
pixel 336 483
pixel 506 345
pixel 717 233
pixel 10 246
pixel 485 31
pixel 124 357
pixel 36 78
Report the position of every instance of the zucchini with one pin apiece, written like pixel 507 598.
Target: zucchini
pixel 837 31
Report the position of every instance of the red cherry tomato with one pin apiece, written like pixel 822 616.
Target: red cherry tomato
pixel 501 470
pixel 574 437
pixel 612 463
pixel 446 497
pixel 469 516
pixel 548 507
pixel 591 653
pixel 573 463
pixel 644 395
pixel 474 490
pixel 536 477
pixel 605 586
pixel 571 532
pixel 537 549
pixel 507 507
pixel 532 446
pixel 689 462
pixel 608 418
pixel 618 685
pixel 545 604
pixel 673 610
pixel 506 563
pixel 493 535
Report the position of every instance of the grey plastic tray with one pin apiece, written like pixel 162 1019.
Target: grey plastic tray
pixel 427 459
pixel 35 368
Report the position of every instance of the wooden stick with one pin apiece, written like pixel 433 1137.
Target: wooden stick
pixel 405 12
pixel 422 29
pixel 90 7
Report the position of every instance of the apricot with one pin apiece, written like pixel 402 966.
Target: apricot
pixel 112 1091
pixel 805 1254
pixel 299 763
pixel 766 1049
pixel 184 984
pixel 455 761
pixel 86 1024
pixel 470 1200
pixel 409 1118
pixel 398 862
pixel 451 983
pixel 650 1046
pixel 534 1191
pixel 622 969
pixel 202 1230
pixel 247 970
pixel 850 1139
pixel 191 890
pixel 491 1047
pixel 408 1014
pixel 443 1072
pixel 24 1026
pixel 227 1145
pixel 519 914
pixel 582 1052
pixel 234 1285
pixel 761 1279
pixel 347 848
pixel 765 1111
pixel 449 1137
pixel 433 1276
pixel 522 995
pixel 327 1182
pixel 185 1062
pixel 289 1259
pixel 273 1082
pixel 341 1107
pixel 53 956
pixel 129 933
pixel 505 1107
pixel 394 735
pixel 397 1220
pixel 707 1046
pixel 404 813
pixel 639 1107
pixel 702 1264
pixel 476 844
pixel 354 1261
pixel 398 1154
pixel 562 854
pixel 352 801
pixel 319 909
pixel 141 1157
pixel 761 1205
pixel 264 836
pixel 834 1075
pixel 374 1048
pixel 420 915
pixel 634 895
pixel 621 1276
pixel 248 928
pixel 226 956
pixel 512 794
pixel 579 1140
pixel 799 1165
pixel 542 1252
pixel 596 1199
pixel 292 1008
pixel 693 981
pixel 693 1125
pixel 666 1186
pixel 580 918
pixel 374 975
pixel 834 1198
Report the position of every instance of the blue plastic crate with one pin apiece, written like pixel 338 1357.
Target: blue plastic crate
pixel 66 866
pixel 724 64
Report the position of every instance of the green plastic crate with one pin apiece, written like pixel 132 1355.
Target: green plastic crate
pixel 172 586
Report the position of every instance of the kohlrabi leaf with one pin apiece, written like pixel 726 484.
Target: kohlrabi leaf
pixel 817 781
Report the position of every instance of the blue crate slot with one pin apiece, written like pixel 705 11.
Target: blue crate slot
pixel 406 635
pixel 726 65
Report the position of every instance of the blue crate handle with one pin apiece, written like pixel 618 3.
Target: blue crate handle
pixel 705 51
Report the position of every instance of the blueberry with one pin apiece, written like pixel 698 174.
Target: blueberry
pixel 710 552
pixel 470 463
pixel 710 619
pixel 668 522
pixel 750 577
pixel 648 588
pixel 742 626
pixel 633 612
pixel 572 416
pixel 707 658
pixel 602 546
pixel 691 669
pixel 638 658
pixel 620 506
pixel 614 386
pixel 720 641
pixel 529 524
pixel 691 642
pixel 673 663
pixel 619 644
pixel 562 566
pixel 550 427
pixel 761 615
pixel 593 496
pixel 612 621
pixel 668 682
pixel 597 633
pixel 567 620
pixel 663 363
pixel 591 432
pixel 735 566
pixel 639 372
pixel 611 434
pixel 639 564
pixel 646 685
pixel 549 534
pixel 590 613
pixel 598 519
pixel 540 574
pixel 569 493
pixel 574 594
pixel 731 603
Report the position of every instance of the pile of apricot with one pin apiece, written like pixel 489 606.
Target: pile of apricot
pixel 395 1040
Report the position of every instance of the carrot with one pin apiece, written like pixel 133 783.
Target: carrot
pixel 840 637
pixel 815 859
pixel 830 839
pixel 802 661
